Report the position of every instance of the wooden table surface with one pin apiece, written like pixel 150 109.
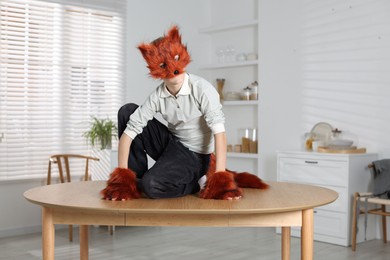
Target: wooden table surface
pixel 283 205
pixel 280 197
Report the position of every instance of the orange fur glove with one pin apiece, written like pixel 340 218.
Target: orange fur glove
pixel 226 184
pixel 220 185
pixel 122 185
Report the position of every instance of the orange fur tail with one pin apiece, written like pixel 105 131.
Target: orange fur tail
pixel 242 179
pixel 247 180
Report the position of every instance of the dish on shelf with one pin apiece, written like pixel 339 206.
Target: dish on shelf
pixel 232 96
pixel 352 149
pixel 340 144
pixel 230 64
pixel 322 131
pixel 240 103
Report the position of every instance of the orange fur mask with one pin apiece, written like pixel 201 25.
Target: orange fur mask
pixel 166 56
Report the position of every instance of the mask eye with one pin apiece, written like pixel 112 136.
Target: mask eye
pixel 177 57
pixel 163 65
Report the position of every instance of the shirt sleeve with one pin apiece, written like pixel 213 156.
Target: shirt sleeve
pixel 142 115
pixel 212 109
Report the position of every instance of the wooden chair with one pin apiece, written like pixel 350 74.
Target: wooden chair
pixel 379 205
pixel 61 159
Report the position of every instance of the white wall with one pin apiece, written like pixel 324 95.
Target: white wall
pixel 18 216
pixel 323 61
pixel 280 78
pixel 345 69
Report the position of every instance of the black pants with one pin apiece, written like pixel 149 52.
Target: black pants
pixel 177 169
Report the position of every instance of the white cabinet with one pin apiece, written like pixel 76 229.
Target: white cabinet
pixel 238 32
pixel 344 173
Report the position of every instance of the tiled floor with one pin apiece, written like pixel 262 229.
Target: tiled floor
pixel 178 243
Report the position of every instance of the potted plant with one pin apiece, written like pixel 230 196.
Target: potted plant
pixel 101 132
pixel 100 136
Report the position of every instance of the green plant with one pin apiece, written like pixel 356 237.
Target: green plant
pixel 101 131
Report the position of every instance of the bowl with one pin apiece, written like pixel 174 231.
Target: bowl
pixel 340 144
pixel 231 96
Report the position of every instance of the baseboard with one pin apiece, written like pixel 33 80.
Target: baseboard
pixel 19 231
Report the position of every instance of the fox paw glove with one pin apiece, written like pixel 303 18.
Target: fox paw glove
pixel 221 186
pixel 122 185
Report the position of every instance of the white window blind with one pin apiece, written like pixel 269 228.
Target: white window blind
pixel 59 66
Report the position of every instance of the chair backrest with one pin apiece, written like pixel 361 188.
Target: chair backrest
pixel 381 174
pixel 59 159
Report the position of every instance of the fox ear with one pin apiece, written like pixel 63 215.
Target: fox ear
pixel 174 35
pixel 147 50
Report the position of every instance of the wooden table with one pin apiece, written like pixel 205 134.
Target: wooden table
pixel 282 205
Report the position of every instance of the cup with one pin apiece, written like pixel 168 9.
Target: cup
pixel 316 144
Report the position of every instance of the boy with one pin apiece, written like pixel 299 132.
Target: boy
pixel 182 149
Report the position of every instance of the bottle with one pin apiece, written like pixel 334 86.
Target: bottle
pixel 220 84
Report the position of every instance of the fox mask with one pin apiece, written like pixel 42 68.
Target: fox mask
pixel 166 56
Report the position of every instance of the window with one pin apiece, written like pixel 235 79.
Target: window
pixel 59 66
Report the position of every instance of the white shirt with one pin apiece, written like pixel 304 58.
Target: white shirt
pixel 194 115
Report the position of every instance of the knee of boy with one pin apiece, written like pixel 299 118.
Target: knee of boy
pixel 127 109
pixel 151 187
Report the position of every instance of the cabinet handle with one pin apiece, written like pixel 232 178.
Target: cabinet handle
pixel 311 162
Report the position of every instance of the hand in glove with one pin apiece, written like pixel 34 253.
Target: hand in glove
pixel 122 185
pixel 221 185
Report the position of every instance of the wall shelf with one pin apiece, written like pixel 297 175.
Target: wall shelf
pixel 242 155
pixel 239 31
pixel 240 102
pixel 231 26
pixel 230 65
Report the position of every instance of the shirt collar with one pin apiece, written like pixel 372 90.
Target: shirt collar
pixel 184 90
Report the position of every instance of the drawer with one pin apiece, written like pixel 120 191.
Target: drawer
pixel 328 226
pixel 339 205
pixel 329 223
pixel 320 172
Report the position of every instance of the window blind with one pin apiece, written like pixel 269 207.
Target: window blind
pixel 60 65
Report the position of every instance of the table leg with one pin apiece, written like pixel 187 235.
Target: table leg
pixel 307 234
pixel 83 242
pixel 48 234
pixel 286 245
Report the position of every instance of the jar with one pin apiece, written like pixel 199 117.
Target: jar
pixel 337 134
pixel 341 140
pixel 249 140
pixel 245 93
pixel 253 92
pixel 229 148
pixel 253 141
pixel 309 138
pixel 241 57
